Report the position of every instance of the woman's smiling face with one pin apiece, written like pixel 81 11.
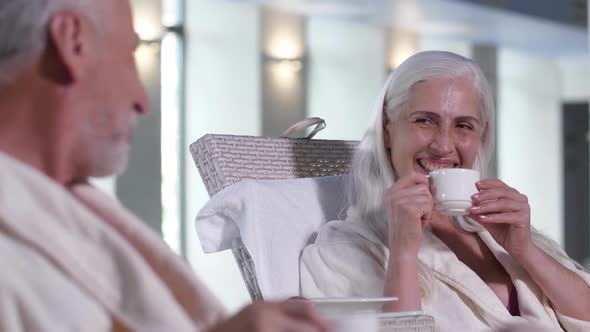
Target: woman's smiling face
pixel 440 126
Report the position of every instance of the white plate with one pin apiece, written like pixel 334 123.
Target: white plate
pixel 334 305
pixel 352 299
pixel 401 314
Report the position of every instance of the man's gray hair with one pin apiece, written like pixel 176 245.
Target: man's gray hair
pixel 23 30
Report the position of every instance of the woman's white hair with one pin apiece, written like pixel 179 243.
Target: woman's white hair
pixel 23 29
pixel 372 172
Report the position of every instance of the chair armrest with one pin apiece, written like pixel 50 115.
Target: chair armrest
pixel 246 266
pixel 413 323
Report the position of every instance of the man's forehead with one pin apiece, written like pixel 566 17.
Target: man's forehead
pixel 116 10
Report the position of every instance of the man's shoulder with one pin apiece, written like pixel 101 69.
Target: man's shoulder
pixel 23 266
pixel 34 291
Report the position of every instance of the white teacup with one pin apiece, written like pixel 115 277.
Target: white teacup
pixel 452 189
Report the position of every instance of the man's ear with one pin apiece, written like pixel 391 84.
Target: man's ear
pixel 70 38
pixel 386 136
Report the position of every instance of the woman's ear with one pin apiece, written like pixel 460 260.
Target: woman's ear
pixel 485 133
pixel 386 136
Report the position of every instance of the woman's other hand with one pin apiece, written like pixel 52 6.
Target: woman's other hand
pixel 409 205
pixel 288 316
pixel 505 213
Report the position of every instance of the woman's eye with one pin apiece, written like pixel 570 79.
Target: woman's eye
pixel 423 121
pixel 465 126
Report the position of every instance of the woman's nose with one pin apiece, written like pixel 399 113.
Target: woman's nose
pixel 443 142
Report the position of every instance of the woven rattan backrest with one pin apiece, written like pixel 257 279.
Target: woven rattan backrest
pixel 223 160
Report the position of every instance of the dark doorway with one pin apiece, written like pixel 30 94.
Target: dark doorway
pixel 576 180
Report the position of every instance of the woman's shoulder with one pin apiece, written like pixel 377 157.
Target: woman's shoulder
pixel 344 260
pixel 347 241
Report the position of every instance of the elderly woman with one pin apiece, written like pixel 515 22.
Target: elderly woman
pixel 487 270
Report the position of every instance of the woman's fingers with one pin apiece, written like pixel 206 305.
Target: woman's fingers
pixel 498 206
pixel 409 207
pixel 492 183
pixel 416 190
pixel 411 180
pixel 498 193
pixel 413 202
pixel 500 218
pixel 417 207
pixel 400 193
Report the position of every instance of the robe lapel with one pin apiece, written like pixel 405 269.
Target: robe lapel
pixel 48 218
pixel 532 303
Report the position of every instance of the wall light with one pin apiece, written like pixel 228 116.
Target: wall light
pixel 283 34
pixel 284 49
pixel 284 71
pixel 148 28
pixel 292 65
pixel 401 45
pixel 284 57
pixel 147 58
pixel 400 54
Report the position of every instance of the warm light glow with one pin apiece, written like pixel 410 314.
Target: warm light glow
pixel 400 54
pixel 147 29
pixel 402 45
pixel 286 69
pixel 285 73
pixel 285 49
pixel 146 57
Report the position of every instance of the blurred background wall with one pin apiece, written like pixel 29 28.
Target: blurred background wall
pixel 255 67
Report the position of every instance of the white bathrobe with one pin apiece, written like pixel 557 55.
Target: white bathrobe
pixel 76 260
pixel 347 259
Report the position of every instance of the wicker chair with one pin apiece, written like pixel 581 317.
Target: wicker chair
pixel 223 160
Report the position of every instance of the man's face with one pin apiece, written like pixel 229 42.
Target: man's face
pixel 114 96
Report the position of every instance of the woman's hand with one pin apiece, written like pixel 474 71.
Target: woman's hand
pixel 409 207
pixel 505 213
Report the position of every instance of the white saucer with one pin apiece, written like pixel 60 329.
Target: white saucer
pixel 333 305
pixel 400 314
pixel 454 208
pixel 353 299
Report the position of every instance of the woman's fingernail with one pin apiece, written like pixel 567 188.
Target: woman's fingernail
pixel 475 208
pixel 483 217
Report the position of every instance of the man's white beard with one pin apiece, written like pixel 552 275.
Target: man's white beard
pixel 110 161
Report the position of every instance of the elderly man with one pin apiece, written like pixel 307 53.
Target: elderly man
pixel 72 258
